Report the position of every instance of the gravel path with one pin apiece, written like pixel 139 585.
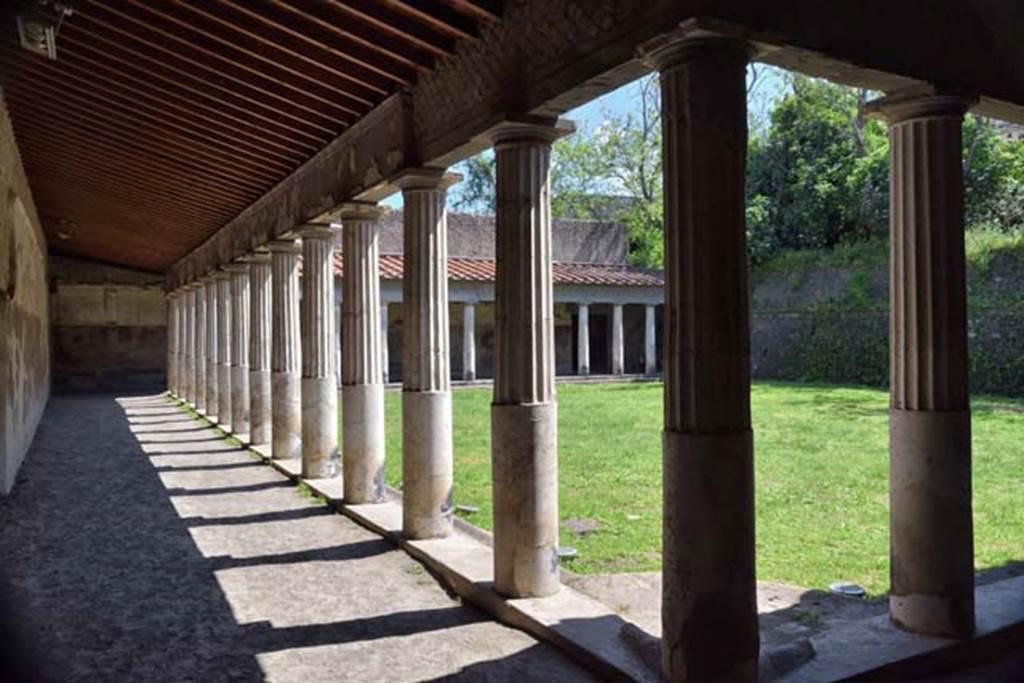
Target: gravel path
pixel 138 546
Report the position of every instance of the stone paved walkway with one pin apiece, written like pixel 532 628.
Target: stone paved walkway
pixel 139 546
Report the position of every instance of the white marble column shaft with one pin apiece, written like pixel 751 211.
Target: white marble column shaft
pixel 583 340
pixel 212 393
pixel 172 342
pixel 931 529
pixel 385 361
pixel 469 342
pixel 224 325
pixel 240 349
pixel 319 386
pixel 362 388
pixel 618 341
pixel 709 607
pixel 427 470
pixel 650 341
pixel 189 352
pixel 524 456
pixel 260 311
pixel 285 352
pixel 199 373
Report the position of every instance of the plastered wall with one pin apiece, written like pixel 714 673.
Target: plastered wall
pixel 24 313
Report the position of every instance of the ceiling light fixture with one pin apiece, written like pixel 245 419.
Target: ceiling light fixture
pixel 38 27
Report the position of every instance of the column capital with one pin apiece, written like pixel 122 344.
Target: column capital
pixel 360 211
pixel 919 103
pixel 426 179
pixel 240 268
pixel 528 128
pixel 318 230
pixel 679 48
pixel 284 246
pixel 255 257
pixel 222 274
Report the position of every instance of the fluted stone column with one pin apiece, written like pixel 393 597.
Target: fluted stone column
pixel 583 340
pixel 931 532
pixel 285 352
pixel 189 352
pixel 524 452
pixel 239 349
pixel 259 349
pixel 709 608
pixel 319 386
pixel 650 342
pixel 362 388
pixel 224 325
pixel 212 393
pixel 199 375
pixel 173 301
pixel 618 342
pixel 469 342
pixel 427 474
pixel 384 358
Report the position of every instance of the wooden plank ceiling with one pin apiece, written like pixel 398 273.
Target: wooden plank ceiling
pixel 160 120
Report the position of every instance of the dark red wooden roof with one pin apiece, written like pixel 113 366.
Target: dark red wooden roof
pixel 161 120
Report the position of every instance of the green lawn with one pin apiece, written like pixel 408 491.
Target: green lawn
pixel 821 456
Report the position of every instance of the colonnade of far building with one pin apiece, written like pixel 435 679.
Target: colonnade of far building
pixel 709 610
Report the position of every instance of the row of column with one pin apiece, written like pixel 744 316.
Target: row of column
pixel 618 341
pixel 709 610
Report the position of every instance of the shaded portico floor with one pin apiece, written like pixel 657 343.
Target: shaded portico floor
pixel 138 545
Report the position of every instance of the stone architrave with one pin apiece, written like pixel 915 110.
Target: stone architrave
pixel 224 325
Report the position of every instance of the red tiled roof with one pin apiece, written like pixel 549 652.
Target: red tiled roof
pixel 482 270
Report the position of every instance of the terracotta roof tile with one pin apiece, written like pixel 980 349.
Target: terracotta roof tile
pixel 482 270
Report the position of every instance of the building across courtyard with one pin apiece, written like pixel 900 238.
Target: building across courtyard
pixel 607 313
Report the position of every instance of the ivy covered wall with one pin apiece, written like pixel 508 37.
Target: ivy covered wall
pixel 828 322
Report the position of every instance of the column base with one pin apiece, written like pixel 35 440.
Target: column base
pixel 286 410
pixel 709 595
pixel 930 522
pixel 319 427
pixel 362 414
pixel 259 407
pixel 239 399
pixel 524 462
pixel 427 477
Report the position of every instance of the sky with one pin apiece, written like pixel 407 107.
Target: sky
pixel 627 98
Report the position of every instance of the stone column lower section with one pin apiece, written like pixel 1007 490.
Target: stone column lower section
pixel 285 352
pixel 709 606
pixel 469 342
pixel 618 341
pixel 259 350
pixel 931 531
pixel 650 342
pixel 583 340
pixel 362 388
pixel 319 385
pixel 427 471
pixel 240 349
pixel 199 373
pixel 524 454
pixel 212 393
pixel 224 325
